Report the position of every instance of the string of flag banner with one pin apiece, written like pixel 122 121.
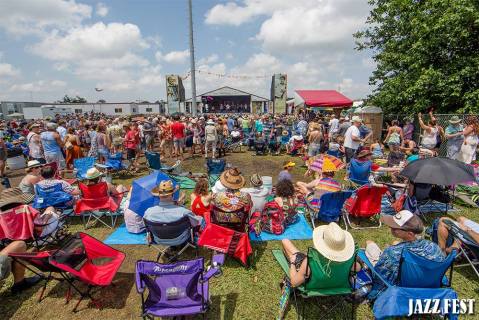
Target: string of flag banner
pixel 224 75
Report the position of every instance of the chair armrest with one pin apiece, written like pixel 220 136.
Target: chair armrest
pixel 362 256
pixel 215 268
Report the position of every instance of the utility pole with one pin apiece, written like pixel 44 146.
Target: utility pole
pixel 192 61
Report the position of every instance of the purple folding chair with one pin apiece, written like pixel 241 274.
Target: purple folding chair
pixel 175 290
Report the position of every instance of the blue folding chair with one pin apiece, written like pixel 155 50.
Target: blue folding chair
pixel 334 153
pixel 154 163
pixel 215 168
pixel 330 206
pixel 82 165
pixel 419 278
pixel 359 171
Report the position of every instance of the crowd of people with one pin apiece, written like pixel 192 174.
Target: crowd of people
pixel 309 137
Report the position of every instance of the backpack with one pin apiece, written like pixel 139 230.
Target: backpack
pixel 272 219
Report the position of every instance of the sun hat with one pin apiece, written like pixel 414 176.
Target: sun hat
pixel 404 220
pixel 333 243
pixel 165 188
pixel 285 133
pixel 210 122
pixel 33 164
pixel 356 119
pixel 363 154
pixel 373 252
pixel 93 173
pixel 454 120
pixel 232 179
pixel 256 180
pixel 288 164
pixel 14 195
pixel 52 125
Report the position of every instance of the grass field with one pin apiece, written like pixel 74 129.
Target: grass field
pixel 240 293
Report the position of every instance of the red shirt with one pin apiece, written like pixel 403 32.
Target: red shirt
pixel 178 130
pixel 132 139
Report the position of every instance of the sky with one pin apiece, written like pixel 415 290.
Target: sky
pixel 50 48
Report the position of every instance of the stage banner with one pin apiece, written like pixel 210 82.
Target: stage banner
pixel 175 93
pixel 279 92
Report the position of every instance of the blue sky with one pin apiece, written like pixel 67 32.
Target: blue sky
pixel 56 47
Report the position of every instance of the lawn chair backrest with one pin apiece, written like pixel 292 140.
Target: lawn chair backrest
pixel 114 161
pixel 215 166
pixel 418 272
pixel 153 160
pixel 82 165
pixel 88 259
pixel 335 153
pixel 464 238
pixel 52 196
pixel 366 202
pixel 235 220
pixel 166 231
pixel 327 276
pixel 422 191
pixel 332 204
pixel 94 191
pixel 359 171
pixel 164 279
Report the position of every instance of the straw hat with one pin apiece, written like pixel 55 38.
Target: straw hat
pixel 165 188
pixel 288 164
pixel 33 164
pixel 363 153
pixel 454 120
pixel 232 179
pixel 210 122
pixel 333 242
pixel 256 180
pixel 285 133
pixel 14 195
pixel 93 173
pixel 356 119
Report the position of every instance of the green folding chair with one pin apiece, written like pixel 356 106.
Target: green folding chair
pixel 324 280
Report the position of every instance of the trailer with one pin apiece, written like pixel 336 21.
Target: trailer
pixel 45 112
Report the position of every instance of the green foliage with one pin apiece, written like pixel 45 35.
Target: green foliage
pixel 68 99
pixel 427 54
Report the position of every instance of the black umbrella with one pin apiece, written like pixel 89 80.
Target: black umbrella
pixel 440 171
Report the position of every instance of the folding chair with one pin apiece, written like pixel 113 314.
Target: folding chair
pixel 175 290
pixel 358 172
pixel 260 147
pixel 320 283
pixel 328 208
pixel 214 168
pixel 429 195
pixel 87 260
pixel 172 234
pixel 469 248
pixel 52 196
pixel 82 165
pixel 96 203
pixel 418 278
pixel 364 204
pixel 335 153
pixel 154 163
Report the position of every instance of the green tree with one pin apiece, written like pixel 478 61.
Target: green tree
pixel 427 54
pixel 68 99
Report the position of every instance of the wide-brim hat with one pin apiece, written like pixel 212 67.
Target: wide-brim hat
pixel 164 188
pixel 454 120
pixel 14 195
pixel 356 119
pixel 33 164
pixel 93 173
pixel 363 153
pixel 232 179
pixel 333 243
pixel 289 164
pixel 285 133
pixel 256 180
pixel 210 122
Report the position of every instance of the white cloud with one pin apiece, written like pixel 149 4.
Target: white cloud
pixel 38 86
pixel 176 57
pixel 229 56
pixel 7 70
pixel 24 17
pixel 209 59
pixel 101 9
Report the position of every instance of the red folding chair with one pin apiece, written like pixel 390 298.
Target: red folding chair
pixel 364 204
pixel 97 203
pixel 88 260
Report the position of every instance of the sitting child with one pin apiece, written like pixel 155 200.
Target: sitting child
pixel 377 149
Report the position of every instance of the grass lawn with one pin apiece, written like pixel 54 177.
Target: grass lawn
pixel 240 293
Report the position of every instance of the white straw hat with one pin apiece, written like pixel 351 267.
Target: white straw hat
pixel 333 242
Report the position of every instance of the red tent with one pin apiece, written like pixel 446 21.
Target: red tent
pixel 324 98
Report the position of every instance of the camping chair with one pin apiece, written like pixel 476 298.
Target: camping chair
pixel 296 147
pixel 358 172
pixel 162 236
pixel 97 203
pixel 175 290
pixel 233 144
pixel 328 208
pixel 260 147
pixel 364 204
pixel 214 168
pixel 52 196
pixel 320 283
pixel 82 165
pixel 154 163
pixel 418 279
pixel 87 260
pixel 430 195
pixel 115 165
pixel 469 248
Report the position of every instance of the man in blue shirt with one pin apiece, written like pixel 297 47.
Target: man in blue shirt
pixel 230 123
pixel 406 226
pixel 167 212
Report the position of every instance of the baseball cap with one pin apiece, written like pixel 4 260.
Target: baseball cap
pixel 404 220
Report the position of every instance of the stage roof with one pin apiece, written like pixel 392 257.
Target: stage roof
pixel 322 98
pixel 228 91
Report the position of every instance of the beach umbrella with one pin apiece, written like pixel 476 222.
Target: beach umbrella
pixel 326 163
pixel 440 171
pixel 141 197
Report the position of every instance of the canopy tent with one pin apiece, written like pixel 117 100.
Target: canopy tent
pixel 321 98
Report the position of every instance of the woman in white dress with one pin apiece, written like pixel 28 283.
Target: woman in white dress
pixel 471 139
pixel 430 133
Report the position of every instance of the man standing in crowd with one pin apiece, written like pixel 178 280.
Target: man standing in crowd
pixel 178 132
pixel 352 139
pixel 35 144
pixel 52 145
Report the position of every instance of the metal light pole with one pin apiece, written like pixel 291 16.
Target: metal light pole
pixel 192 61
